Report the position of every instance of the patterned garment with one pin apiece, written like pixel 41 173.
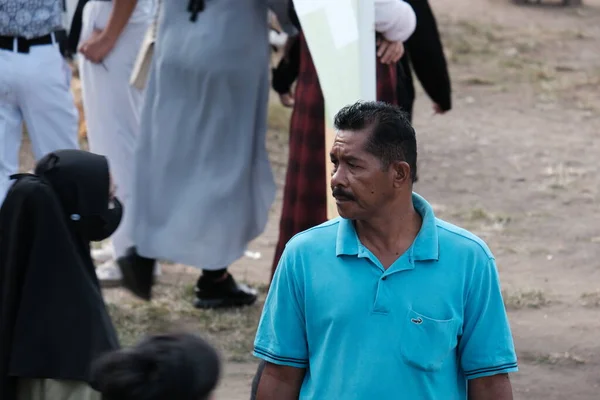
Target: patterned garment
pixel 30 18
pixel 305 193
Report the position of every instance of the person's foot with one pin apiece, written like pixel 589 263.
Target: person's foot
pixel 223 293
pixel 138 273
pixel 102 254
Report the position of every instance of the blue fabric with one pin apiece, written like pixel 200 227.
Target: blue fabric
pixel 418 330
pixel 30 18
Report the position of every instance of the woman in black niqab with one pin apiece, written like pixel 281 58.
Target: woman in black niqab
pixel 53 319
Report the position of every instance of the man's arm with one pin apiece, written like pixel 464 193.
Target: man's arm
pixel 281 338
pixel 496 387
pixel 486 348
pixel 280 382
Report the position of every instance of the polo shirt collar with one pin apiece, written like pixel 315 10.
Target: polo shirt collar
pixel 347 240
pixel 425 247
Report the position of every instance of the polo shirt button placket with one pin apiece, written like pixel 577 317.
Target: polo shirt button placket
pixel 381 305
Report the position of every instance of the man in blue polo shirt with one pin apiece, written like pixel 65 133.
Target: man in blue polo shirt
pixel 386 302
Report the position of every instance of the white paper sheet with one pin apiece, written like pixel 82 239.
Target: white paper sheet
pixel 304 7
pixel 342 22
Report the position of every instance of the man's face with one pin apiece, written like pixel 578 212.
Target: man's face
pixel 360 184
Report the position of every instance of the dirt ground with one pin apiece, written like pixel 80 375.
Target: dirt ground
pixel 514 161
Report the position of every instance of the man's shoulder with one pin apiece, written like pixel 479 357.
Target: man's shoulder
pixel 321 235
pixel 461 240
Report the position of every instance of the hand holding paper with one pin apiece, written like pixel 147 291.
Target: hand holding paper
pixel 389 52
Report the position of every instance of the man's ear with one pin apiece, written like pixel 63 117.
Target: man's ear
pixel 401 171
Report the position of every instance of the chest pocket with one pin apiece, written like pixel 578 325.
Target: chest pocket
pixel 426 342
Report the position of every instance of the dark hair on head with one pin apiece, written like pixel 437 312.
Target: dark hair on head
pixel 392 136
pixel 164 367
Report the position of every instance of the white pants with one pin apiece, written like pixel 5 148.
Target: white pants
pixel 111 106
pixel 35 88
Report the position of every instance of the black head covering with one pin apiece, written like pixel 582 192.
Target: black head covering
pixel 52 316
pixel 81 181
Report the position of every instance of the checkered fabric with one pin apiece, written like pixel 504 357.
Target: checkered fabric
pixel 305 193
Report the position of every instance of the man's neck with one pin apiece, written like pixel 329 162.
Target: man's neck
pixel 393 232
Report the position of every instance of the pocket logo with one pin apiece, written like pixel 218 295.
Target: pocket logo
pixel 417 321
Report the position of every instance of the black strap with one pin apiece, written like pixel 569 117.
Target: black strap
pixel 23 45
pixel 62 38
pixel 75 31
pixel 19 176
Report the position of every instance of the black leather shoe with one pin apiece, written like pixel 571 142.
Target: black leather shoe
pixel 138 273
pixel 223 294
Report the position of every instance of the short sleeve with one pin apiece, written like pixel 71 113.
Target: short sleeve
pixel 486 346
pixel 394 19
pixel 281 335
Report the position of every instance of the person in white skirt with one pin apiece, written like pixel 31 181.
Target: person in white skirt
pixel 111 36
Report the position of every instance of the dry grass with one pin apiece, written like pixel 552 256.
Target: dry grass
pixel 591 299
pixel 231 331
pixel 563 359
pixel 466 40
pixel 279 116
pixel 477 220
pixel 497 56
pixel 525 299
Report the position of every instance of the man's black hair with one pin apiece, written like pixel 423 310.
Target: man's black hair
pixel 392 137
pixel 164 367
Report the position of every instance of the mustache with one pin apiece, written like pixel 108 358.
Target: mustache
pixel 340 193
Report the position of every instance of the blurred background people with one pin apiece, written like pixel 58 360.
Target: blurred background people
pixel 203 184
